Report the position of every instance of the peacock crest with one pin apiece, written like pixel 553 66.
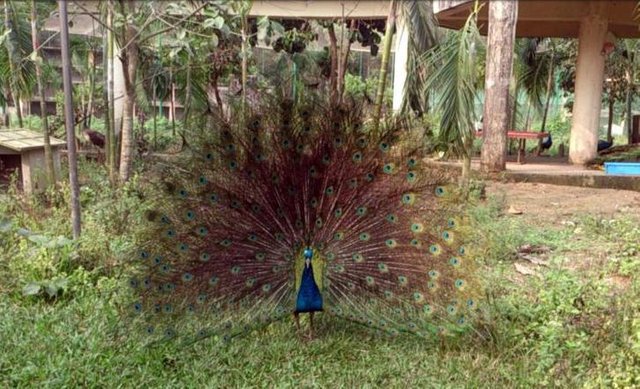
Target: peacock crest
pixel 296 207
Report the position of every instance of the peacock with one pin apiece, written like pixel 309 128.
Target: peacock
pixel 295 207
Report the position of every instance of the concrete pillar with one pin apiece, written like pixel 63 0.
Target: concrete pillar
pixel 401 56
pixel 583 144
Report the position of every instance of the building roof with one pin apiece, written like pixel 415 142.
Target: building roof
pixel 23 140
pixel 559 18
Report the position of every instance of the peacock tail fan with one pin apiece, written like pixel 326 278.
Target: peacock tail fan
pixel 233 217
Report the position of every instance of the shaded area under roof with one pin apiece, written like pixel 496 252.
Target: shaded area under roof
pixel 23 140
pixel 559 18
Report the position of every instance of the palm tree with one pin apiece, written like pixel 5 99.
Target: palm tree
pixel 534 63
pixel 454 83
pixel 83 55
pixel 17 74
pixel 530 73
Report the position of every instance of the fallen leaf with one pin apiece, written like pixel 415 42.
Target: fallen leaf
pixel 513 211
pixel 522 269
pixel 533 259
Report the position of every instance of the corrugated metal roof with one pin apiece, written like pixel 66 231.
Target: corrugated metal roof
pixel 23 140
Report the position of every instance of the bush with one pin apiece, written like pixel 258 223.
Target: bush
pixel 36 255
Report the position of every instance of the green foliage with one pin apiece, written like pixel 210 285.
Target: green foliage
pixel 35 251
pixel 50 288
pixel 357 87
pixel 163 132
pixel 560 128
pixel 625 256
pixel 17 73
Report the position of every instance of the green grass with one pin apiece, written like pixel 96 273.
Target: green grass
pixel 82 343
pixel 576 323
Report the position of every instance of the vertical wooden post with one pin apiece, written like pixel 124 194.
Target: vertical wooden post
pixel 500 40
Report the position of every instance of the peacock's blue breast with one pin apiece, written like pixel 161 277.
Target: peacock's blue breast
pixel 309 297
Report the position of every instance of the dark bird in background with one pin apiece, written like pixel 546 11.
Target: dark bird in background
pixel 547 143
pixel 603 144
pixel 297 209
pixel 94 137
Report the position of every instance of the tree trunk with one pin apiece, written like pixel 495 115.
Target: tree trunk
pixel 126 147
pixel 48 155
pixel 513 105
pixel 172 102
pixel 629 108
pixel 343 61
pixel 333 57
pixel 92 88
pixel 110 124
pixel 213 94
pixel 187 97
pixel 294 79
pixel 386 53
pixel 105 95
pixel 155 118
pixel 11 44
pixel 465 177
pixel 500 40
pixel 129 58
pixel 4 116
pixel 610 120
pixel 69 120
pixel 547 102
pixel 245 61
pixel 16 103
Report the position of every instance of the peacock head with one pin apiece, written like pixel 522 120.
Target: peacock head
pixel 308 253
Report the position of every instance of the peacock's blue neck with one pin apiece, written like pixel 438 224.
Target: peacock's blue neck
pixel 309 296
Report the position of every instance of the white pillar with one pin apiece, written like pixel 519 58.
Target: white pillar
pixel 401 56
pixel 583 144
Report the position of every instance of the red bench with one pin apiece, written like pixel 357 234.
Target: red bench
pixel 522 136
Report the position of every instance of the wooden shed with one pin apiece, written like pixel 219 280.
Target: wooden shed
pixel 23 151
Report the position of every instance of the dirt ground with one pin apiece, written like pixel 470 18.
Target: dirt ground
pixel 549 205
pixel 554 203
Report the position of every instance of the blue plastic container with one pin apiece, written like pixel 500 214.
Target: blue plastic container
pixel 622 168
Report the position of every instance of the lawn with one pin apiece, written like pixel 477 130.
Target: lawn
pixel 567 318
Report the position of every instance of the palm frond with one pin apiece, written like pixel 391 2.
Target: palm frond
pixel 454 81
pixel 422 28
pixel 15 64
pixel 532 70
